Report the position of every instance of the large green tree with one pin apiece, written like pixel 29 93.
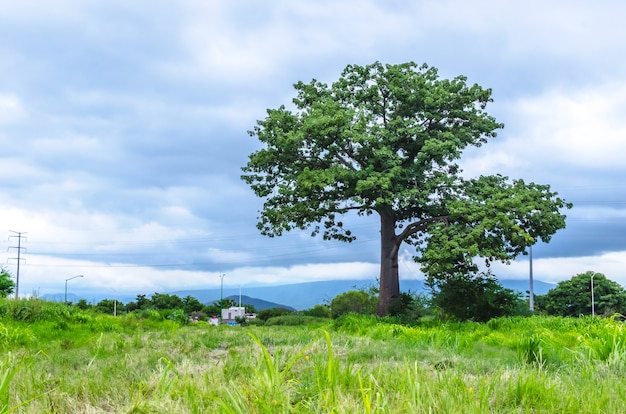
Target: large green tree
pixel 573 297
pixel 384 139
pixel 477 297
pixel 7 285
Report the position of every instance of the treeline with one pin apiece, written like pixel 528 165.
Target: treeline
pixel 166 304
pixel 477 297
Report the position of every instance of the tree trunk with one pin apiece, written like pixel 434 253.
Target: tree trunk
pixel 389 282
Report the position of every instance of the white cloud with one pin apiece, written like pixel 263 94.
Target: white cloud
pixel 573 129
pixel 228 256
pixel 554 270
pixel 11 109
pixel 140 108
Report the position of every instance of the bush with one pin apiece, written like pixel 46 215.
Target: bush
pixel 295 320
pixel 475 297
pixel 256 322
pixel 353 301
pixel 266 314
pixel 319 311
pixel 410 307
pixel 573 297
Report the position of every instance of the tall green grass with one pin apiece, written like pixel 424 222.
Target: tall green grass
pixel 64 360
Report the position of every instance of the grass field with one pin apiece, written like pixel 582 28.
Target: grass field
pixel 59 359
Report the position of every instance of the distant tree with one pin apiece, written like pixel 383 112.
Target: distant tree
pixel 319 311
pixel 385 140
pixel 7 285
pixel 265 314
pixel 83 304
pixel 140 303
pixel 191 304
pixel 477 297
pixel 573 297
pixel 215 307
pixel 353 301
pixel 109 306
pixel 164 301
pixel 249 308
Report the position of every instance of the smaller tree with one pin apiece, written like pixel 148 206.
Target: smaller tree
pixel 318 311
pixel 191 304
pixel 265 314
pixel 353 301
pixel 411 307
pixel 478 297
pixel 141 303
pixel 83 304
pixel 109 306
pixel 7 285
pixel 164 301
pixel 573 297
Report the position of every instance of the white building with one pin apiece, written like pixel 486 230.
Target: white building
pixel 229 315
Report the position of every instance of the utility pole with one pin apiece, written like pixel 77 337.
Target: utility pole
pixel 531 294
pixel 19 236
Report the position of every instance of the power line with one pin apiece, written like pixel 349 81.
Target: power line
pixel 250 261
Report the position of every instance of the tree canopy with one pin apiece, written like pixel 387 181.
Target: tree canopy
pixel 477 297
pixel 385 139
pixel 7 285
pixel 573 297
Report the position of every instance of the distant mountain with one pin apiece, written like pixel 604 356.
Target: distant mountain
pixel 301 296
pixel 306 295
pixel 259 304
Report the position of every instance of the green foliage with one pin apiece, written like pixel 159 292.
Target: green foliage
pixel 478 298
pixel 191 304
pixel 494 219
pixel 265 314
pixel 12 336
pixel 109 306
pixel 573 297
pixel 163 301
pixel 8 369
pixel 296 320
pixel 385 139
pixel 82 304
pixel 353 301
pixel 7 285
pixel 215 307
pixel 177 315
pixel 318 311
pixel 142 302
pixel 34 309
pixel 353 364
pixel 411 307
pixel 255 322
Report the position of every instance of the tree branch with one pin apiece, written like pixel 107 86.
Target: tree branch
pixel 414 228
pixel 419 226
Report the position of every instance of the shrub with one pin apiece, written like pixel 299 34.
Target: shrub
pixel 295 320
pixel 353 301
pixel 319 311
pixel 266 314
pixel 474 297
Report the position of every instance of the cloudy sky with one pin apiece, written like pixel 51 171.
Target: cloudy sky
pixel 123 128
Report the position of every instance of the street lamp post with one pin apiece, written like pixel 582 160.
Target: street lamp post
pixel 593 306
pixel 73 277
